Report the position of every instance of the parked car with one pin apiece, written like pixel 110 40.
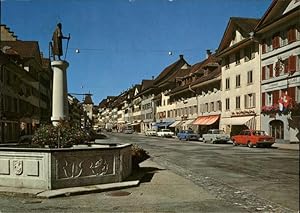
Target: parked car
pixel 253 138
pixel 165 133
pixel 187 135
pixel 151 132
pixel 128 131
pixel 215 136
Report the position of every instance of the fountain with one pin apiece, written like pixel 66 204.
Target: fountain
pixel 54 168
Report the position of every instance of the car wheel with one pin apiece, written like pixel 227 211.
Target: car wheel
pixel 250 144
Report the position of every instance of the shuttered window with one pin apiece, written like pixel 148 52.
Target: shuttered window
pixel 263 73
pixel 292 63
pixel 292 35
pixel 271 70
pixel 263 99
pixel 275 96
pixel 275 41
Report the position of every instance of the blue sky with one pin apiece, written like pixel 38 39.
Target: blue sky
pixel 122 42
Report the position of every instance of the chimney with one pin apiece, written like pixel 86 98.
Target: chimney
pixel 181 56
pixel 152 77
pixel 208 53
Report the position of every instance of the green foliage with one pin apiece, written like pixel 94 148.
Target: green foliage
pixel 138 155
pixel 62 135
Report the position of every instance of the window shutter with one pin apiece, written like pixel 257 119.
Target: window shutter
pixel 271 70
pixel 286 66
pixel 291 35
pixel 292 92
pixel 275 97
pixel 263 99
pixel 277 41
pixel 254 100
pixel 274 43
pixel 263 73
pixel 292 64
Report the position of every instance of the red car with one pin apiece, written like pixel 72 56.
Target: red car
pixel 253 138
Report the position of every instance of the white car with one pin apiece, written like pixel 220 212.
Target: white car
pixel 151 132
pixel 165 133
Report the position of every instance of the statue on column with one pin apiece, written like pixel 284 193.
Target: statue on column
pixel 56 44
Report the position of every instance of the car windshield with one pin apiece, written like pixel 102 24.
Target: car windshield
pixel 259 133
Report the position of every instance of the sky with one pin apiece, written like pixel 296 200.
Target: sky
pixel 122 42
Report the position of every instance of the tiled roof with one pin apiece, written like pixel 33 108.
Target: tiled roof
pixel 246 25
pixel 26 49
pixel 273 13
pixel 103 103
pixel 169 73
pixel 146 84
pixel 211 64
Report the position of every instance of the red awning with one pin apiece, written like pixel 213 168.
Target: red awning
pixel 206 120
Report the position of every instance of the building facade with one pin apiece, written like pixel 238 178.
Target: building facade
pixel 279 34
pixel 240 76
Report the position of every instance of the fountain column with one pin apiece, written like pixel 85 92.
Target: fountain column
pixel 60 107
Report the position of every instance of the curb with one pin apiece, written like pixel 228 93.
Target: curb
pixel 86 189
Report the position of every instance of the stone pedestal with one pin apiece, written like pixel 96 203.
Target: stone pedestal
pixel 60 108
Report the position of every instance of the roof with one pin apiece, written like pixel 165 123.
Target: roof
pixel 146 84
pixel 169 73
pixel 244 25
pixel 211 64
pixel 103 103
pixel 274 12
pixel 88 99
pixel 26 49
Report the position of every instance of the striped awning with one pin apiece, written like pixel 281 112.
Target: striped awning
pixel 206 120
pixel 187 122
pixel 248 121
pixel 176 123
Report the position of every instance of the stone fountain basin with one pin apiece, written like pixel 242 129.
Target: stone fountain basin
pixel 54 168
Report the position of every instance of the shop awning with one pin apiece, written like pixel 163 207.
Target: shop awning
pixel 206 120
pixel 163 124
pixel 249 121
pixel 176 123
pixel 187 122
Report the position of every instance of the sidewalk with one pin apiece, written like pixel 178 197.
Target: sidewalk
pixel 289 146
pixel 159 190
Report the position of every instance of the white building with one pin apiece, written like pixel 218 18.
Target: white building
pixel 240 76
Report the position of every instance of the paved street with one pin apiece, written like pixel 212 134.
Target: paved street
pixel 237 174
pixel 189 177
